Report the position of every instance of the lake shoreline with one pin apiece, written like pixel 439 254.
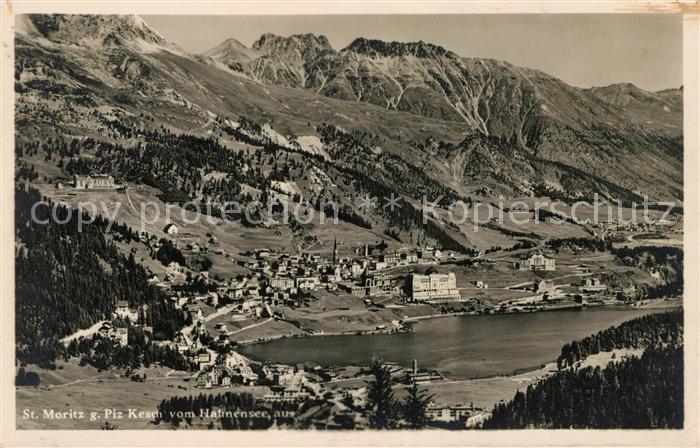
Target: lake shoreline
pixel 483 346
pixel 645 304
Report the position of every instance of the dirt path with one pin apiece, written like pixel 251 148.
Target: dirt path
pixel 87 332
pixel 154 229
pixel 250 326
pixel 92 379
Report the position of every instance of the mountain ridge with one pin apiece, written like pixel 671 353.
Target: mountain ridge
pixel 427 79
pixel 560 135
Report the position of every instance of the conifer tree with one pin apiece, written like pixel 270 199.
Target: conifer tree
pixel 380 396
pixel 415 405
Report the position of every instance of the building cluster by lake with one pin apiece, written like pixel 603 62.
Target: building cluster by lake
pixel 283 279
pixel 344 406
pixel 272 283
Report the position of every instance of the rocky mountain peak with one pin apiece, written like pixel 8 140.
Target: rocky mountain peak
pixel 304 44
pixel 621 88
pixel 627 94
pixel 231 50
pixel 231 43
pixel 527 127
pixel 374 48
pixel 95 30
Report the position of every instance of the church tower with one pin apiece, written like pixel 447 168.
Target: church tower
pixel 335 251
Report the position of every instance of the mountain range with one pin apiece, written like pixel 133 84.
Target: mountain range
pixel 467 125
pixel 429 80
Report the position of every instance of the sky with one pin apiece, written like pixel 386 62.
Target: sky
pixel 584 50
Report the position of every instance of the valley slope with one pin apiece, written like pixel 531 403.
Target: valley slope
pixel 294 118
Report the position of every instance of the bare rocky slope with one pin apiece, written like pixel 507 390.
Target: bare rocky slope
pixel 600 130
pixel 466 123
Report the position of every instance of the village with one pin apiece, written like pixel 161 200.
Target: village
pixel 372 288
pixel 220 315
pixel 346 222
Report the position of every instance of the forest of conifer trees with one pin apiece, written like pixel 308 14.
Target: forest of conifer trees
pixel 69 276
pixel 634 392
pixel 652 329
pixel 644 392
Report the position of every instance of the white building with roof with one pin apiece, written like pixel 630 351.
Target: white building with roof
pixel 93 182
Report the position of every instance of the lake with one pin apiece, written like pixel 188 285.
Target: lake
pixel 458 346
